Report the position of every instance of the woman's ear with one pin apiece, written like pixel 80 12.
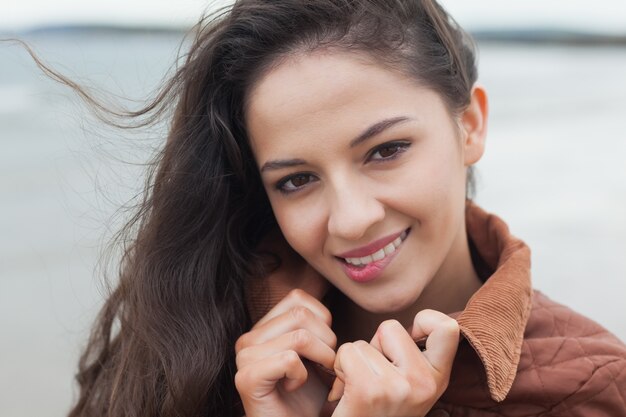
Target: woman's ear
pixel 474 126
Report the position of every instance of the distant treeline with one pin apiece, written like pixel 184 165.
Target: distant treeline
pixel 96 29
pixel 550 36
pixel 525 36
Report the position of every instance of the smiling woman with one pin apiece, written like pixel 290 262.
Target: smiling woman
pixel 308 244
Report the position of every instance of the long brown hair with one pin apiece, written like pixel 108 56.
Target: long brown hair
pixel 163 344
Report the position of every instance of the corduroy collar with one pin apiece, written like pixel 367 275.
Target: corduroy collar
pixel 494 318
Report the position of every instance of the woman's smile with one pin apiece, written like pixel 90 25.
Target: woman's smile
pixel 368 262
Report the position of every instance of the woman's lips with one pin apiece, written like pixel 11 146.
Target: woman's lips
pixel 369 267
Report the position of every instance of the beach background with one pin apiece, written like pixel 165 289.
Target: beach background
pixel 554 168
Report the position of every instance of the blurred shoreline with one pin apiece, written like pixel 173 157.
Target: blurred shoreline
pixel 522 35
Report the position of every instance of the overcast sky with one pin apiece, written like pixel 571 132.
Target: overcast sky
pixel 603 15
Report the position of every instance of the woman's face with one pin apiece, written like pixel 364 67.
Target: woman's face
pixel 365 171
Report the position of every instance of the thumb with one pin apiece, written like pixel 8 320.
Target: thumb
pixel 336 392
pixel 442 338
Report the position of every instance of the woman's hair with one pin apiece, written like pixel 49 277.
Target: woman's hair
pixel 163 344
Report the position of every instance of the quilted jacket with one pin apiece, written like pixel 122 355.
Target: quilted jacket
pixel 521 353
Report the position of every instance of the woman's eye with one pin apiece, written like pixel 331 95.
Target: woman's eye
pixel 388 151
pixel 294 182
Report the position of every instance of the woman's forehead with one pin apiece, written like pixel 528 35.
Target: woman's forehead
pixel 317 92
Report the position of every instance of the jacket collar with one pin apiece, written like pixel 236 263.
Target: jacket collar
pixel 494 319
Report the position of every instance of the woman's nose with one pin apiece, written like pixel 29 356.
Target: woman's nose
pixel 353 210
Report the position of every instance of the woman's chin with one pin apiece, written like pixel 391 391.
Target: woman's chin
pixel 387 304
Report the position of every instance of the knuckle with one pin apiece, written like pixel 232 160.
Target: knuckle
pixel 290 358
pixel 300 338
pixel 399 389
pixel 326 315
pixel 390 325
pixel 429 312
pixel 360 344
pixel 300 314
pixel 453 325
pixel 344 348
pixel 242 342
pixel 429 388
pixel 242 380
pixel 300 297
pixel 333 341
pixel 241 358
pixel 376 397
pixel 297 294
pixel 426 313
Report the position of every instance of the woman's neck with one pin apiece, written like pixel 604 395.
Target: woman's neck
pixel 448 292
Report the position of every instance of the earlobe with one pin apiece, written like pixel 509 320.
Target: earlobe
pixel 474 123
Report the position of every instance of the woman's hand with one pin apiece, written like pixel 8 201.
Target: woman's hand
pixel 390 376
pixel 272 379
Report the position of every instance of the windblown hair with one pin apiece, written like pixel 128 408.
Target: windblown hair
pixel 163 344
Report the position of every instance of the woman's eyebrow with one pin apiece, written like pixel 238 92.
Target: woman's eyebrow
pixel 375 129
pixel 282 163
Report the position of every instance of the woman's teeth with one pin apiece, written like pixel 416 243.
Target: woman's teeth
pixel 380 254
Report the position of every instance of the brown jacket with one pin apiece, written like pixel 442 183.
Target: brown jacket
pixel 521 353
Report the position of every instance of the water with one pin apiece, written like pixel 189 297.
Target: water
pixel 554 170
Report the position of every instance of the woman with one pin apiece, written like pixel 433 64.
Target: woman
pixel 307 246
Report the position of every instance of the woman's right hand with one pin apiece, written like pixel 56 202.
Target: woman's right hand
pixel 272 379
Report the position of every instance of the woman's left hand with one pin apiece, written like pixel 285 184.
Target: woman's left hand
pixel 391 376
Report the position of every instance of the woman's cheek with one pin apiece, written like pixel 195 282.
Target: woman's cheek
pixel 300 226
